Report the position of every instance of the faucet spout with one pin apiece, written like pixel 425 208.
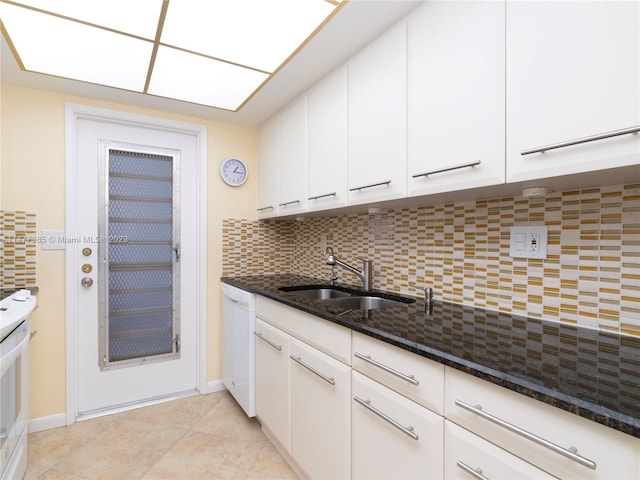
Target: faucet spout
pixel 365 275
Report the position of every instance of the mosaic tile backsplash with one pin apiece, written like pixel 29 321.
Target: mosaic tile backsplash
pixel 17 249
pixel 591 276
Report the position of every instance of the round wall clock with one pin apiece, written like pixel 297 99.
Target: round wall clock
pixel 233 171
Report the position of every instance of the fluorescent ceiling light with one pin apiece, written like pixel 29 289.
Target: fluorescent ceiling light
pixel 135 17
pixel 212 52
pixel 197 79
pixel 260 34
pixel 51 45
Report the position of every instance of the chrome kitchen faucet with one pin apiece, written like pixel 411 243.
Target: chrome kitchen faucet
pixel 366 275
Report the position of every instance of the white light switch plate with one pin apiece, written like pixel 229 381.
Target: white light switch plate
pixel 53 240
pixel 528 242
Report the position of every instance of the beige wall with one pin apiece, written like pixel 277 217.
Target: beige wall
pixel 32 178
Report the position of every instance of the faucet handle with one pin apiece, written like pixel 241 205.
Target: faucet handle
pixel 428 293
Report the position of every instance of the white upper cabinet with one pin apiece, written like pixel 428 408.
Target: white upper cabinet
pixel 268 170
pixel 378 120
pixel 328 143
pixel 293 159
pixel 456 105
pixel 573 71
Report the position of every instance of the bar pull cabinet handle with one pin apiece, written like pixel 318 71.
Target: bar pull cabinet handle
pixel 406 430
pixel 448 169
pixel 474 472
pixel 267 341
pixel 367 358
pixel 571 453
pixel 316 197
pixel 578 141
pixel 370 186
pixel 298 360
pixel 288 203
pixel 270 207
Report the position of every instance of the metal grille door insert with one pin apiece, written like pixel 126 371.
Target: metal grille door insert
pixel 139 254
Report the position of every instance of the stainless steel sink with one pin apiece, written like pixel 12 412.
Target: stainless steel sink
pixel 321 293
pixel 367 302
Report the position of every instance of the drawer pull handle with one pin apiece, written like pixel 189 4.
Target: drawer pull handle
pixel 367 358
pixel 289 203
pixel 570 453
pixel 270 207
pixel 448 169
pixel 370 186
pixel 267 341
pixel 406 430
pixel 474 472
pixel 330 380
pixel 316 197
pixel 578 141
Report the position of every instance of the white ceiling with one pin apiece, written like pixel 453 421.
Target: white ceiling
pixel 355 26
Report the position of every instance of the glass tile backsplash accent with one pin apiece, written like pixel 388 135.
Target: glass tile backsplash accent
pixel 591 276
pixel 18 243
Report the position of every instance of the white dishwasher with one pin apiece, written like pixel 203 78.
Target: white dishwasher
pixel 238 346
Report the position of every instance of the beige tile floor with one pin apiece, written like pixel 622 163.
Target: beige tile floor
pixel 200 437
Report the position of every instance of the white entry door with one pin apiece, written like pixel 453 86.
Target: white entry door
pixel 132 263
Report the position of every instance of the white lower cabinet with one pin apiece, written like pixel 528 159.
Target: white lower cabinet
pixel 273 385
pixel 467 456
pixel 392 436
pixel 320 413
pixel 561 443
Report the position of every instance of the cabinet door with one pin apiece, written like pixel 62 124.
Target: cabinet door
pixel 273 386
pixel 378 120
pixel 573 71
pixel 393 437
pixel 465 452
pixel 456 96
pixel 328 143
pixel 292 161
pixel 320 413
pixel 268 170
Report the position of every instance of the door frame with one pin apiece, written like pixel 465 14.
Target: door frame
pixel 73 113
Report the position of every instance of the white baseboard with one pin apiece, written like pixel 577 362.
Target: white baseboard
pixel 47 423
pixel 215 386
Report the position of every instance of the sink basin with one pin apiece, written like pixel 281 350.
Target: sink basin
pixel 367 302
pixel 320 293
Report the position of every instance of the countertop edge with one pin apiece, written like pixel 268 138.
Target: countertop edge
pixel 590 411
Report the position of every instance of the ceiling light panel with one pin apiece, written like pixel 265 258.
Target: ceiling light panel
pixel 138 17
pixel 260 34
pixel 197 79
pixel 51 45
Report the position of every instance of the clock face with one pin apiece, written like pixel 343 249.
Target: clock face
pixel 233 172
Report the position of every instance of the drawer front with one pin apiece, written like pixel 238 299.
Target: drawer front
pixel 467 456
pixel 547 435
pixel 327 337
pixel 392 436
pixel 413 376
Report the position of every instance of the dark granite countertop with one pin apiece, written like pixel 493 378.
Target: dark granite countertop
pixel 591 373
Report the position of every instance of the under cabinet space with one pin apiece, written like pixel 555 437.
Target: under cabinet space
pixel 467 456
pixel 556 441
pixel 392 437
pixel 417 378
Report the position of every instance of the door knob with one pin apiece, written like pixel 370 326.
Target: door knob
pixel 86 282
